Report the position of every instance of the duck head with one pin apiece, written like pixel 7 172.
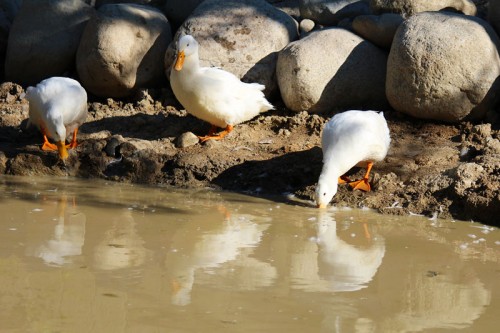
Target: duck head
pixel 325 190
pixel 186 46
pixel 57 131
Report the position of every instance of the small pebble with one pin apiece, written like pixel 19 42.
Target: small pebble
pixel 187 139
pixel 306 25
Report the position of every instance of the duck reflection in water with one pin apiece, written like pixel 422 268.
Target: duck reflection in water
pixel 68 235
pixel 211 247
pixel 328 263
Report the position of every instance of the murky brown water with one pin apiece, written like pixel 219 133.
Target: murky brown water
pixel 86 256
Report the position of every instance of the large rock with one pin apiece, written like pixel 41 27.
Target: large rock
pixel 44 38
pixel 330 12
pixel 378 29
pixel 332 69
pixel 240 36
pixel 443 66
pixel 122 49
pixel 411 7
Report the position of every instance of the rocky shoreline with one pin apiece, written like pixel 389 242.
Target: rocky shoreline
pixel 432 67
pixel 434 169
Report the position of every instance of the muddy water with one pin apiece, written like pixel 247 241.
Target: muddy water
pixel 86 256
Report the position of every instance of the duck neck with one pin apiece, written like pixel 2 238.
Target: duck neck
pixel 329 178
pixel 191 63
pixel 54 117
pixel 330 173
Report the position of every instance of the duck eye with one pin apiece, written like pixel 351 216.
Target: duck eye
pixel 187 45
pixel 324 194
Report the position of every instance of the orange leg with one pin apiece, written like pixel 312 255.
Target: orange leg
pixel 367 232
pixel 73 143
pixel 175 285
pixel 210 134
pixel 223 210
pixel 219 136
pixel 344 180
pixel 47 145
pixel 363 184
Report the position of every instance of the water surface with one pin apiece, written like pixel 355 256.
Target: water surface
pixel 90 256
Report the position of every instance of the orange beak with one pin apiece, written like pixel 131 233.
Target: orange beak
pixel 61 148
pixel 322 206
pixel 179 62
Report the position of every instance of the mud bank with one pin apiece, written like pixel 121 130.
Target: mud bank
pixel 435 169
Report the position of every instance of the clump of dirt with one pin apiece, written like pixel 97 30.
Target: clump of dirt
pixel 434 169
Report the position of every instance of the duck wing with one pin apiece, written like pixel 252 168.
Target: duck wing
pixel 355 136
pixel 73 104
pixel 232 99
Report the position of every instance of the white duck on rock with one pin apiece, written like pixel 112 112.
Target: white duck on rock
pixel 212 94
pixel 351 138
pixel 57 107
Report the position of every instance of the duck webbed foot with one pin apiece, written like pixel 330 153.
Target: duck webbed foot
pixel 73 144
pixel 363 184
pixel 212 136
pixel 47 145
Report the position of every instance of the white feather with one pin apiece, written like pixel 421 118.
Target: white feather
pixel 351 138
pixel 57 106
pixel 212 94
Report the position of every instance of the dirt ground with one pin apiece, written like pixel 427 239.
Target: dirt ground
pixel 435 169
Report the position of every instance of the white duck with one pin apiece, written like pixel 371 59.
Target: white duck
pixel 352 138
pixel 57 106
pixel 212 94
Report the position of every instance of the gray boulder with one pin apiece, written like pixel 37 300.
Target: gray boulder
pixel 44 38
pixel 411 7
pixel 330 12
pixel 332 69
pixel 443 66
pixel 122 50
pixel 240 36
pixel 378 29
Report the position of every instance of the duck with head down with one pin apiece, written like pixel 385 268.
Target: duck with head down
pixel 212 94
pixel 57 107
pixel 351 138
